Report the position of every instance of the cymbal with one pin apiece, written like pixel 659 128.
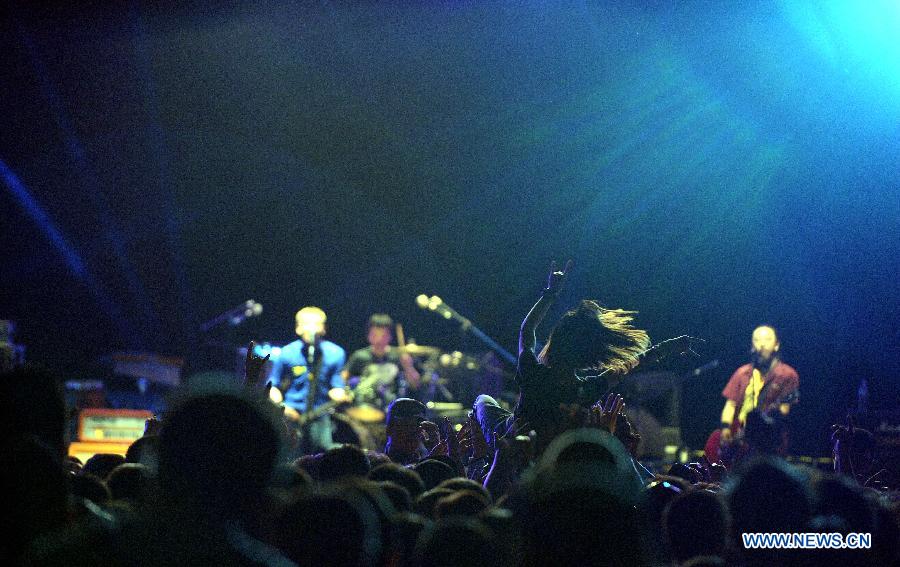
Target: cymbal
pixel 365 413
pixel 458 360
pixel 339 395
pixel 420 350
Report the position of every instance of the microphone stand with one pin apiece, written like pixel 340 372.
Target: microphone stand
pixel 436 304
pixel 235 315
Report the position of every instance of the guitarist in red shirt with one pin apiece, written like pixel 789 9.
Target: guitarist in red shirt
pixel 765 383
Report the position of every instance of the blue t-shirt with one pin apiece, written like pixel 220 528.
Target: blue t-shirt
pixel 292 364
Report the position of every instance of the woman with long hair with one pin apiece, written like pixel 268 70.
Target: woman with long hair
pixel 587 338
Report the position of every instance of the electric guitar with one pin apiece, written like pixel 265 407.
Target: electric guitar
pixel 717 449
pixel 338 397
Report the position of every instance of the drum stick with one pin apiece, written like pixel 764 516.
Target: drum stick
pixel 401 339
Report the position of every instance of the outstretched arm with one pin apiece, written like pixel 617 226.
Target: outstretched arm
pixel 555 280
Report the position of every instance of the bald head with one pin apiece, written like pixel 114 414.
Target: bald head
pixel 765 342
pixel 310 323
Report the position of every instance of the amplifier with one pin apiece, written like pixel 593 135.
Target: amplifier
pixel 111 425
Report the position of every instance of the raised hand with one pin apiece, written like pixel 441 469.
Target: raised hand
pixel 254 366
pixel 152 426
pixel 626 433
pixel 430 434
pixel 605 415
pixel 465 439
pixel 557 278
pixel 471 440
pixel 449 437
pixel 441 449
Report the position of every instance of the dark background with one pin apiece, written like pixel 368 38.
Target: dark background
pixel 711 165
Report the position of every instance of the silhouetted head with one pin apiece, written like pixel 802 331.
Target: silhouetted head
pixel 463 483
pixel 36 499
pixel 334 527
pixel 462 503
pixel 426 502
pixel 218 451
pixel 405 477
pixel 696 524
pixel 343 461
pixel 399 496
pixel 842 497
pixel 145 451
pixel 402 425
pixel 768 495
pixel 434 472
pixel 101 464
pixel 584 479
pixel 89 487
pixel 32 403
pixel 457 541
pixel 128 481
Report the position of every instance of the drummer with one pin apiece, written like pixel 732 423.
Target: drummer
pixel 396 374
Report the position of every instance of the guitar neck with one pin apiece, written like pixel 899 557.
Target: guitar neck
pixel 321 410
pixel 318 412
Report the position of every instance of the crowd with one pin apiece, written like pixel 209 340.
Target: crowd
pixel 215 481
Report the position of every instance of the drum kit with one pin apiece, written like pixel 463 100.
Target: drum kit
pixel 448 381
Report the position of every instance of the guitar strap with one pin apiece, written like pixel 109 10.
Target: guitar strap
pixel 763 393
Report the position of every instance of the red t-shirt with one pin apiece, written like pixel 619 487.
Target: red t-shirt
pixel 781 381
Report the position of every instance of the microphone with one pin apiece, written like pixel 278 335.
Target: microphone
pixel 433 303
pixel 436 304
pixel 706 367
pixel 234 316
pixel 755 357
pixel 244 311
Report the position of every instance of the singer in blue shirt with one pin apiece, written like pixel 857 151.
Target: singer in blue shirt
pixel 291 375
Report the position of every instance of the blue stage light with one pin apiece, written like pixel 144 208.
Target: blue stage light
pixel 72 258
pixel 40 217
pixel 858 37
